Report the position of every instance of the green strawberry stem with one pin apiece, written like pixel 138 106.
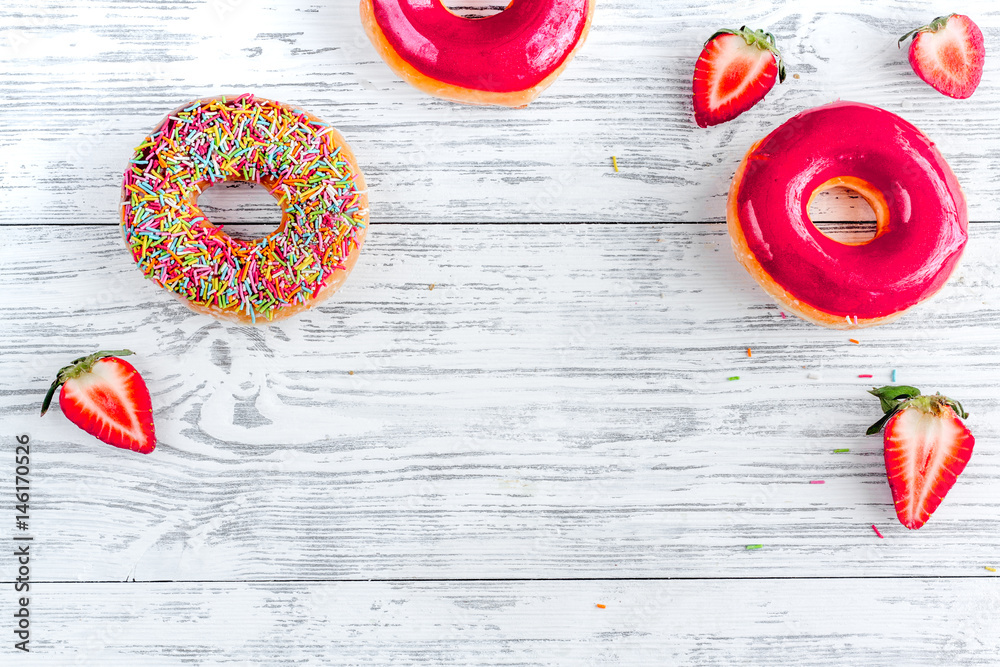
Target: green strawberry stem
pixel 77 368
pixel 894 399
pixel 760 39
pixel 933 26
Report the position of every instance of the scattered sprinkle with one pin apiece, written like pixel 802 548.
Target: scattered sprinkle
pixel 735 377
pixel 749 353
pixel 893 374
pixel 841 451
pixel 350 372
pixel 431 286
pixel 813 376
pixel 751 547
pixel 817 481
pixel 782 314
pixel 881 536
pixel 865 376
pixel 855 341
pixel 602 606
pixel 291 153
pixel 855 320
pixel 989 569
pixel 795 76
pixel 614 162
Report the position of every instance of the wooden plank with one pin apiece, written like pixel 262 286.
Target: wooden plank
pixel 87 80
pixel 557 405
pixel 806 622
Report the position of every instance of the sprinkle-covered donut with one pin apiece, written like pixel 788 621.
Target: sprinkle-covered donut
pixel 921 217
pixel 302 161
pixel 505 59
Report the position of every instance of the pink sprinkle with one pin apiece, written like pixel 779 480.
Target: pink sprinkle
pixel 817 481
pixel 782 314
pixel 865 376
pixel 877 533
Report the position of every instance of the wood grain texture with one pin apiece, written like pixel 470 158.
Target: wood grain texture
pixel 85 81
pixel 704 623
pixel 557 405
pixel 512 404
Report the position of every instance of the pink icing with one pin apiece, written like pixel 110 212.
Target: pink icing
pixel 927 223
pixel 510 51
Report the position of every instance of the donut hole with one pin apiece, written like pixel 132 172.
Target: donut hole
pixel 843 214
pixel 246 211
pixel 474 9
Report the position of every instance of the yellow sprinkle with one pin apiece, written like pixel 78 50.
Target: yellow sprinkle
pixel 614 162
pixel 431 287
pixel 310 193
pixel 989 569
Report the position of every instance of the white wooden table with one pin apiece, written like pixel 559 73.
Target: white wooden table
pixel 460 475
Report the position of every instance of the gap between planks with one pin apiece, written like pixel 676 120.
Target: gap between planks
pixel 540 223
pixel 463 580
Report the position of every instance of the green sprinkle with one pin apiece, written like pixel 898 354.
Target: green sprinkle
pixel 735 377
pixel 751 547
pixel 840 451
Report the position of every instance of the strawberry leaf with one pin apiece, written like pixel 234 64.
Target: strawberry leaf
pixel 50 393
pixel 880 424
pixel 891 400
pixel 890 397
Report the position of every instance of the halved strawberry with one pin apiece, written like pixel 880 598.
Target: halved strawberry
pixel 734 72
pixel 926 448
pixel 948 53
pixel 106 397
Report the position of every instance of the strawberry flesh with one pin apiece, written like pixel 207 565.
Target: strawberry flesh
pixel 927 446
pixel 106 397
pixel 735 70
pixel 948 54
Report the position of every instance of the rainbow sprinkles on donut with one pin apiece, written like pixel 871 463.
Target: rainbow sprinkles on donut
pixel 304 162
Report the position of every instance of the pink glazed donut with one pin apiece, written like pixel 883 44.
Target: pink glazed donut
pixel 921 217
pixel 505 59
